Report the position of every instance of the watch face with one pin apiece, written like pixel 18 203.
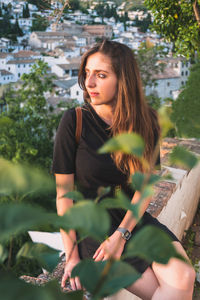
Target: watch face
pixel 127 235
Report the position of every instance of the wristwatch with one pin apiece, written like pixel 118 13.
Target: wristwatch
pixel 125 233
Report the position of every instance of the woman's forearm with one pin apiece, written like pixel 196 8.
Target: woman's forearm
pixel 68 238
pixel 129 221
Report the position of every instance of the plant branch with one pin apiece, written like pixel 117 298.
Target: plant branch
pixel 196 12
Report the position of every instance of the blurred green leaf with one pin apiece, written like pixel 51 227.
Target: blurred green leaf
pixel 164 119
pixel 14 288
pixel 120 275
pixel 129 143
pixel 151 244
pixel 19 218
pixel 153 179
pixel 75 195
pixel 120 201
pixel 147 192
pixel 85 217
pixel 46 256
pixel 137 181
pixel 183 158
pixel 15 178
pixel 3 253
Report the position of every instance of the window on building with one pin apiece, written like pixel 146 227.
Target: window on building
pixel 170 92
pixel 182 82
pixel 8 78
pixel 24 66
pixel 176 65
pixel 182 64
pixel 182 73
pixel 168 84
pixel 186 73
pixel 4 78
pixel 19 75
pixel 77 93
pixel 8 68
pixel 186 64
pixel 18 66
pixel 74 72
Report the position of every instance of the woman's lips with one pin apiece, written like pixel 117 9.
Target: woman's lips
pixel 94 94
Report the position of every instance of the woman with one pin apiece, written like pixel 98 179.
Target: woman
pixel 114 103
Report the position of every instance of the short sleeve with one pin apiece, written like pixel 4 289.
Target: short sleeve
pixel 64 154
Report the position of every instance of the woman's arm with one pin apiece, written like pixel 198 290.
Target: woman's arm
pixel 64 184
pixel 114 245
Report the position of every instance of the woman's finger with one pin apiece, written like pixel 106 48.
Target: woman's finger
pixel 78 283
pixel 96 253
pixel 64 278
pixel 73 284
pixel 100 256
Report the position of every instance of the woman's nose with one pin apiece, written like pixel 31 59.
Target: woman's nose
pixel 90 81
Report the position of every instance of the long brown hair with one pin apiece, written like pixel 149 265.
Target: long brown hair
pixel 131 114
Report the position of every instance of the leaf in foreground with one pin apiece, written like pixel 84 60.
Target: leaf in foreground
pixel 47 257
pixel 129 143
pixel 183 158
pixel 14 288
pixel 87 218
pixel 17 178
pixel 19 218
pixel 119 276
pixel 152 244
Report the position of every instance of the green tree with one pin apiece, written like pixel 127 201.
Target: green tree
pixel 39 23
pixel 100 9
pixel 28 126
pixel 178 22
pixel 16 29
pixel 41 4
pixel 74 4
pixel 187 106
pixel 147 57
pixel 26 12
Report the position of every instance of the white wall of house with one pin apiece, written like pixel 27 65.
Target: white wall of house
pixel 76 93
pixel 4 79
pixel 17 69
pixel 57 70
pixel 165 87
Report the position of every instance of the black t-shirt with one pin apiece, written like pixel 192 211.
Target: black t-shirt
pixel 92 170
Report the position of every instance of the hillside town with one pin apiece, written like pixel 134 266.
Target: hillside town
pixel 59 38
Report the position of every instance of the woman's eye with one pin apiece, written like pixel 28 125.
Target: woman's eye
pixel 102 75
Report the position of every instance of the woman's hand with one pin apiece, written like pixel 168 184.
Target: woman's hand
pixel 75 282
pixel 112 247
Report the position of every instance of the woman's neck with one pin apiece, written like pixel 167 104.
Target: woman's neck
pixel 105 112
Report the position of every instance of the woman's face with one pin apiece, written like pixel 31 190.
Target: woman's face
pixel 100 81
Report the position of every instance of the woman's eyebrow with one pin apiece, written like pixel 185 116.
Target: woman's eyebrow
pixel 97 70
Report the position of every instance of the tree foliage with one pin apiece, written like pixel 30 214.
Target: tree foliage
pixel 178 22
pixel 26 12
pixel 187 106
pixel 28 126
pixel 39 23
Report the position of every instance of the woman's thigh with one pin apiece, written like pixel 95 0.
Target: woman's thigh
pixel 177 274
pixel 145 286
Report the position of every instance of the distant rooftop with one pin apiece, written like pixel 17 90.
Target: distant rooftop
pixel 5 73
pixel 21 61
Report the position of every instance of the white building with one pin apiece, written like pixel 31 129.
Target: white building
pixel 171 80
pixel 18 63
pixel 6 77
pixel 66 70
pixel 69 88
